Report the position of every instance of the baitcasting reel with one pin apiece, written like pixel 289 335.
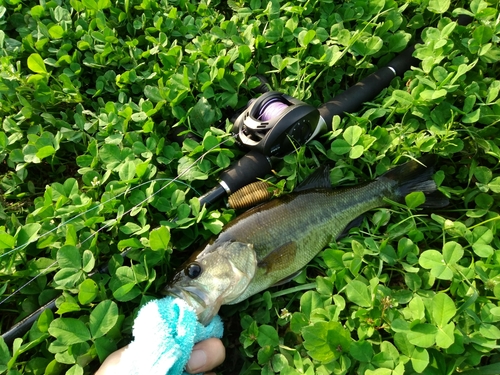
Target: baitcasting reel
pixel 275 123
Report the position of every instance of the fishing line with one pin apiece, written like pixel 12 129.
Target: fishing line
pixel 113 221
pixel 98 206
pixel 42 272
pixel 272 109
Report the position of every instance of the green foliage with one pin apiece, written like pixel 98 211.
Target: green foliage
pixel 92 94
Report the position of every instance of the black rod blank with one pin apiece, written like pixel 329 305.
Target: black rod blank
pixel 367 89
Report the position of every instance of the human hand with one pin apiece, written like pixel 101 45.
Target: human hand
pixel 206 355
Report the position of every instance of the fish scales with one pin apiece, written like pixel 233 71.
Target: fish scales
pixel 310 219
pixel 273 241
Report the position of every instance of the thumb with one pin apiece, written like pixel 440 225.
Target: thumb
pixel 112 364
pixel 206 355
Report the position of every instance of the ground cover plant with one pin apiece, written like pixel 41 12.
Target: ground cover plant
pixel 92 93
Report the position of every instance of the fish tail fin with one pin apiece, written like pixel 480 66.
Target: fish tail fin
pixel 416 175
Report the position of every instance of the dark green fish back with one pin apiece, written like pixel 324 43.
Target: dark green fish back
pixel 288 232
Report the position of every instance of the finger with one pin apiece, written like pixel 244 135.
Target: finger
pixel 110 365
pixel 206 355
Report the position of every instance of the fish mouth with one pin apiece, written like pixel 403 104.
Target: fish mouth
pixel 194 297
pixel 197 299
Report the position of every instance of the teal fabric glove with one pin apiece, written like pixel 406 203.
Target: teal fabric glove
pixel 165 332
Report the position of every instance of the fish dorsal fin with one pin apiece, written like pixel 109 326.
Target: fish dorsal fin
pixel 280 258
pixel 319 179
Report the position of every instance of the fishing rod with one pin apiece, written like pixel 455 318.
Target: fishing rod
pixel 271 126
pixel 275 123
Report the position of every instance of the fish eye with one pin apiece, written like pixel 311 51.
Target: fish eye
pixel 193 270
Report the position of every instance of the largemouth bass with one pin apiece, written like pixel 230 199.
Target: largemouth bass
pixel 270 242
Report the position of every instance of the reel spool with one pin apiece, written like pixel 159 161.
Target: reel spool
pixel 274 123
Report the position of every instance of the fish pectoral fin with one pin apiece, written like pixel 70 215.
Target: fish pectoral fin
pixel 353 224
pixel 289 278
pixel 280 258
